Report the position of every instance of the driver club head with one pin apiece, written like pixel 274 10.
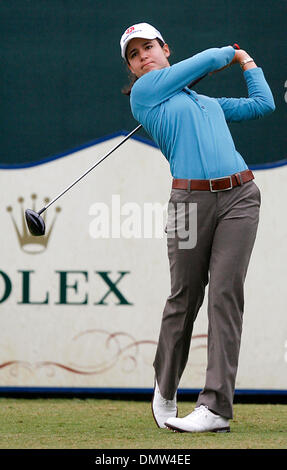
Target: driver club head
pixel 35 223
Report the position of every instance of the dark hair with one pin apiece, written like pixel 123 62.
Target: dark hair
pixel 133 78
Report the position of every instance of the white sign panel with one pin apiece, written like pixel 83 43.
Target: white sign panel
pixel 81 307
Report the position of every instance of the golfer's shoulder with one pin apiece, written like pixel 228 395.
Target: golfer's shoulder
pixel 144 89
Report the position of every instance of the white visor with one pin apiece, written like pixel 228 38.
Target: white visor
pixel 140 30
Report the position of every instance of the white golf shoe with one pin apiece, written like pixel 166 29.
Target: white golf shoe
pixel 162 409
pixel 200 420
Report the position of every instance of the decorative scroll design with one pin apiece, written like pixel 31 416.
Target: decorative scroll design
pixel 119 347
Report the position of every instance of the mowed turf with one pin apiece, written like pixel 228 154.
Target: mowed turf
pixel 113 424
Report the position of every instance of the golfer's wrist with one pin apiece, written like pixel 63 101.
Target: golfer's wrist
pixel 247 63
pixel 244 60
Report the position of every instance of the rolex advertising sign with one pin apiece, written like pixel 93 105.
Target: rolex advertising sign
pixel 81 306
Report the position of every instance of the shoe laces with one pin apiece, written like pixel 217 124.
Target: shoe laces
pixel 202 409
pixel 164 400
pixel 167 402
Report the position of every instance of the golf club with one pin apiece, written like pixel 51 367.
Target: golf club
pixel 35 222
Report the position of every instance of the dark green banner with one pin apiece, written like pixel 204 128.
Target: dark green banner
pixel 62 74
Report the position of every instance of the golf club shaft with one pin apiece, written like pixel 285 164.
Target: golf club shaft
pixel 90 169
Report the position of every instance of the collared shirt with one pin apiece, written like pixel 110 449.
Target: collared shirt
pixel 191 129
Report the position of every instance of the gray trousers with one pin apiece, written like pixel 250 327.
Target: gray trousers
pixel 226 225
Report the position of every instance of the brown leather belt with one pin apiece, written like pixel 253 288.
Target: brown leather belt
pixel 214 184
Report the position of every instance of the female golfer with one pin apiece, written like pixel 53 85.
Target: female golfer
pixel 213 184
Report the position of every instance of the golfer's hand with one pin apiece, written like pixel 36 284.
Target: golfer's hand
pixel 241 55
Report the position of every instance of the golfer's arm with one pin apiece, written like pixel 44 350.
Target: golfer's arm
pixel 260 100
pixel 159 85
pixel 240 57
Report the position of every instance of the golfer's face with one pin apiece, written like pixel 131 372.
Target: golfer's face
pixel 145 55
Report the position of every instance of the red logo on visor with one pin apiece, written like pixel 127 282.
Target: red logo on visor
pixel 130 30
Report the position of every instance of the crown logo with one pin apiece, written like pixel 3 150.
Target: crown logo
pixel 27 242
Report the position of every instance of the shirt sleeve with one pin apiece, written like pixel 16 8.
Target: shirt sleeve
pixel 159 85
pixel 259 102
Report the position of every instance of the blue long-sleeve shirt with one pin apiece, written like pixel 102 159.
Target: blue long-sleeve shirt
pixel 191 129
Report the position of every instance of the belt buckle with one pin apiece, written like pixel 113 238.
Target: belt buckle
pixel 218 190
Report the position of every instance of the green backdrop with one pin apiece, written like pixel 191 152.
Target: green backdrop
pixel 62 74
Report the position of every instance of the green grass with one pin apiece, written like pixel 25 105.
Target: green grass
pixel 112 424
